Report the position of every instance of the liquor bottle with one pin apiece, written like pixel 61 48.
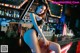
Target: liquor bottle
pixel 9 13
pixel 17 14
pixel 5 12
pixel 14 15
pixel 0 11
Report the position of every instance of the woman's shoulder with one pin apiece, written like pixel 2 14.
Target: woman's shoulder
pixel 36 16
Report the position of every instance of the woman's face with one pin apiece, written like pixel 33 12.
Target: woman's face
pixel 41 10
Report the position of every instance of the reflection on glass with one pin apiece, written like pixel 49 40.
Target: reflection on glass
pixel 14 14
pixel 17 14
pixel 9 12
pixel 0 11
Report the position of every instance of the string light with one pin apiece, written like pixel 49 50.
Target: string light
pixel 6 5
pixel 13 6
pixel 50 10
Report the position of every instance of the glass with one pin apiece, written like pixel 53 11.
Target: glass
pixel 16 14
pixel 7 12
pixel 2 11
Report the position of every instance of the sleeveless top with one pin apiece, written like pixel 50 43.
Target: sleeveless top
pixel 39 22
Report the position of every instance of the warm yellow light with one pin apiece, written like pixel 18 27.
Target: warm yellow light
pixel 6 5
pixel 59 17
pixel 12 6
pixel 20 42
pixel 61 10
pixel 59 4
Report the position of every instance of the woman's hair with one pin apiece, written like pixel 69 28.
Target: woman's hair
pixel 41 4
pixel 40 22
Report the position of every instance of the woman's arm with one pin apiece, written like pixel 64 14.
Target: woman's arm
pixel 32 16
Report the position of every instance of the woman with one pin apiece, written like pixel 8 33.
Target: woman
pixel 30 36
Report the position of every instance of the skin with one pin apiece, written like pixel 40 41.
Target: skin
pixel 31 39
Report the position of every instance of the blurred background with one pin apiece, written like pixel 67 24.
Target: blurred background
pixel 62 23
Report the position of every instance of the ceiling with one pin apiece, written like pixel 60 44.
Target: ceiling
pixel 12 2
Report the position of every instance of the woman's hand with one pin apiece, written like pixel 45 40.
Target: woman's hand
pixel 46 42
pixel 44 46
pixel 43 42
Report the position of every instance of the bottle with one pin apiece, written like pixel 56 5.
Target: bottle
pixel 7 12
pixel 14 15
pixel 0 10
pixel 17 14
